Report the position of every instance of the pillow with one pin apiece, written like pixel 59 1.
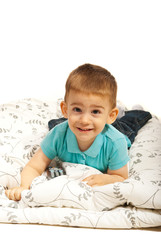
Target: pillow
pixel 9 175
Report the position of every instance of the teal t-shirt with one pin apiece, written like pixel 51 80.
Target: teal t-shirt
pixel 109 149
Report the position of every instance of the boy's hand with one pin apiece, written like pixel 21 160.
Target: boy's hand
pixel 97 180
pixel 112 176
pixel 102 179
pixel 15 193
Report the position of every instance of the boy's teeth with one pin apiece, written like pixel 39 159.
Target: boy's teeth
pixel 84 129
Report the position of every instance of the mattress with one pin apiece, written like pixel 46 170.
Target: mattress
pixel 66 200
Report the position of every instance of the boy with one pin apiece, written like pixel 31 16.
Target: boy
pixel 87 137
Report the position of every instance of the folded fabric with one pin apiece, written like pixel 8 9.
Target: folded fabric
pixel 69 191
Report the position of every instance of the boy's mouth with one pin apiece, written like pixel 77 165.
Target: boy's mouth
pixel 84 129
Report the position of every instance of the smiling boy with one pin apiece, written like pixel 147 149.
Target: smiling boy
pixel 87 137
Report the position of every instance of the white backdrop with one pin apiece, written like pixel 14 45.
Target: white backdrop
pixel 41 42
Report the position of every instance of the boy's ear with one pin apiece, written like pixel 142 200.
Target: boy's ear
pixel 112 115
pixel 63 107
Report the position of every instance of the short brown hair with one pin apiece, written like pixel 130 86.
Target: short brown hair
pixel 93 79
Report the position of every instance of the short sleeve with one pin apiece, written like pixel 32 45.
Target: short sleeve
pixel 47 145
pixel 53 142
pixel 119 154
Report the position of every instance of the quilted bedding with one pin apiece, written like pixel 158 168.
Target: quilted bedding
pixel 66 200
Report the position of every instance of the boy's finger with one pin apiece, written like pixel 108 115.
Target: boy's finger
pixel 9 194
pixel 17 197
pixel 87 178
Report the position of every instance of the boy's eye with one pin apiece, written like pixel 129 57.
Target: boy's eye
pixel 77 109
pixel 95 111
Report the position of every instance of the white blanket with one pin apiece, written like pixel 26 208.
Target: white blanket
pixel 66 200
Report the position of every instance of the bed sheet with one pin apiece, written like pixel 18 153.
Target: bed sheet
pixel 66 200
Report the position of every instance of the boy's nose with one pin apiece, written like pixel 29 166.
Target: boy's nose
pixel 84 119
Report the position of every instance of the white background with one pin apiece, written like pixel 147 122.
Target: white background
pixel 41 42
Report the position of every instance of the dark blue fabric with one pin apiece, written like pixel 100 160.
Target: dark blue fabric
pixel 52 123
pixel 129 124
pixel 132 122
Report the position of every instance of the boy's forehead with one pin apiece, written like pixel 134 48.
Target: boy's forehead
pixel 80 97
pixel 81 94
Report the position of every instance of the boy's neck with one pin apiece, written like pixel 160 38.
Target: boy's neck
pixel 84 146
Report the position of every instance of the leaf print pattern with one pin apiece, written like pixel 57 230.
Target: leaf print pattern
pixel 117 192
pixel 131 216
pixel 66 200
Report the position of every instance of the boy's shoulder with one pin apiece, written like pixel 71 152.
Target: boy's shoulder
pixel 111 132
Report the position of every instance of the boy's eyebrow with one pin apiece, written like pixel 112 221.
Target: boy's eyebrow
pixel 97 106
pixel 93 105
pixel 72 104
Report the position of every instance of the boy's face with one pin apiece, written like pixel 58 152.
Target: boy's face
pixel 87 115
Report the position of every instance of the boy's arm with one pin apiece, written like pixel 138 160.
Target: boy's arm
pixel 34 168
pixel 119 173
pixel 112 176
